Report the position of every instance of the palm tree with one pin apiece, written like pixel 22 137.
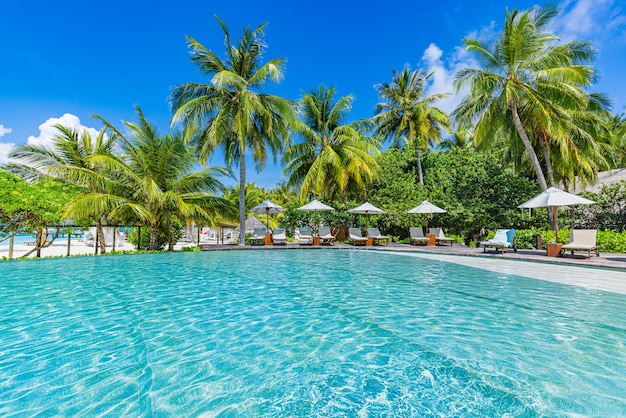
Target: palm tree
pixel 332 156
pixel 152 182
pixel 71 148
pixel 527 83
pixel 405 112
pixel 231 112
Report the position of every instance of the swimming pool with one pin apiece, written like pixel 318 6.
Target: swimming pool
pixel 302 333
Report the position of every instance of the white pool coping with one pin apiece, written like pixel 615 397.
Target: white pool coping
pixel 588 277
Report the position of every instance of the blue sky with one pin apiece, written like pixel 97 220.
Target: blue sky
pixel 67 60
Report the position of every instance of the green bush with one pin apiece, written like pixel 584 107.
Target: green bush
pixel 608 241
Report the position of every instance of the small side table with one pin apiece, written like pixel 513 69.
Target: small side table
pixel 316 241
pixel 431 239
pixel 268 239
pixel 553 250
pixel 369 242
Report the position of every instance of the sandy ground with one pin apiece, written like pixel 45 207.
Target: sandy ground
pixel 59 248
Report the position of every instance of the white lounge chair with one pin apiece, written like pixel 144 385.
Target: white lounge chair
pixel 503 239
pixel 376 236
pixel 258 235
pixel 582 240
pixel 440 237
pixel 355 235
pixel 305 236
pixel 279 236
pixel 326 236
pixel 416 234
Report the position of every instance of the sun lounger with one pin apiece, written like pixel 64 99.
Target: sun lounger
pixel 503 239
pixel 305 236
pixel 258 236
pixel 440 237
pixel 416 233
pixel 326 237
pixel 376 236
pixel 582 240
pixel 279 236
pixel 356 236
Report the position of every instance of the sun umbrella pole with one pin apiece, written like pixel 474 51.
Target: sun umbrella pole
pixel 556 225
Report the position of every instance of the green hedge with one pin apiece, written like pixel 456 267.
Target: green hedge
pixel 608 241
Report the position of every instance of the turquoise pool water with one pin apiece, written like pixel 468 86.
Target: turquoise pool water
pixel 302 333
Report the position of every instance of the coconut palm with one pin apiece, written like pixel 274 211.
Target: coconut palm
pixel 231 112
pixel 71 147
pixel 152 182
pixel 406 113
pixel 526 81
pixel 331 157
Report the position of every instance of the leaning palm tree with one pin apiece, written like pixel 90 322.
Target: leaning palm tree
pixel 72 149
pixel 331 155
pixel 152 181
pixel 405 112
pixel 231 112
pixel 526 80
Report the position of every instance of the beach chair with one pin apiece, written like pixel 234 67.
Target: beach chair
pixel 258 235
pixel 582 240
pixel 502 240
pixel 305 236
pixel 416 233
pixel 326 236
pixel 355 235
pixel 440 237
pixel 376 236
pixel 279 236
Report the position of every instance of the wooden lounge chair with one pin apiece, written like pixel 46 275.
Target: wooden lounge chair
pixel 376 236
pixel 440 237
pixel 326 237
pixel 503 239
pixel 258 236
pixel 356 236
pixel 305 236
pixel 416 233
pixel 279 236
pixel 582 240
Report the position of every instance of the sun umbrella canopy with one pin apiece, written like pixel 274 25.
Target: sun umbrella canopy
pixel 268 208
pixel 366 208
pixel 555 197
pixel 315 205
pixel 426 207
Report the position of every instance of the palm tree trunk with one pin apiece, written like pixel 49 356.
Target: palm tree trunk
pixel 546 157
pixel 242 197
pixel 170 244
pixel 154 235
pixel 532 155
pixel 419 167
pixel 101 240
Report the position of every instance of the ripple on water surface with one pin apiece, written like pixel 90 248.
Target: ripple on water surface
pixel 302 333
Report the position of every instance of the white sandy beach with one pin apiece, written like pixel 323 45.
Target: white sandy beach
pixel 59 248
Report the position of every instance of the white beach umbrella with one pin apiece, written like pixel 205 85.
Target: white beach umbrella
pixel 314 206
pixel 267 207
pixel 366 208
pixel 427 208
pixel 553 198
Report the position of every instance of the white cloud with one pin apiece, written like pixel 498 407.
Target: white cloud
pixel 593 20
pixel 4 131
pixel 444 70
pixel 5 150
pixel 47 130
